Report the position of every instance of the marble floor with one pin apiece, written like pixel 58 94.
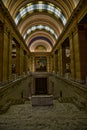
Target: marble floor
pixel 60 116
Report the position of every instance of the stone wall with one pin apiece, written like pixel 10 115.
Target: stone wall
pixel 58 86
pixel 15 90
pixel 66 89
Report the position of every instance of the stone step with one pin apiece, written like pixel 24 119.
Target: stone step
pixel 12 101
pixel 65 99
pixel 5 107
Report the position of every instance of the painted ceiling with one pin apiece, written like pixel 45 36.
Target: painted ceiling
pixel 41 22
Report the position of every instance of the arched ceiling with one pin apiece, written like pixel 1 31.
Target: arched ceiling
pixel 40 22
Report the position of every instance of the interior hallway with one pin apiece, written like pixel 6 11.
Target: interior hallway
pixel 43 51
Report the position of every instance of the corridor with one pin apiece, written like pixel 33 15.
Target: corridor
pixel 60 116
pixel 43 61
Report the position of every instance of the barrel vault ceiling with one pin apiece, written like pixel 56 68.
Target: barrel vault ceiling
pixel 40 22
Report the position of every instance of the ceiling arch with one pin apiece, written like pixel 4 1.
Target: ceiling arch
pixel 40 38
pixel 41 33
pixel 40 22
pixel 40 27
pixel 67 5
pixel 40 48
pixel 14 5
pixel 41 42
pixel 40 19
pixel 40 7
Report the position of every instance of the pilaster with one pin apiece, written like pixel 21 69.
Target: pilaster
pixel 52 62
pixel 26 63
pixel 48 64
pixel 33 63
pixel 21 60
pixel 63 61
pixel 5 53
pixel 56 61
pixel 72 56
pixel 32 67
pixel 27 60
pixel 17 59
pixel 60 60
pixel 77 55
pixel 10 56
pixel 1 50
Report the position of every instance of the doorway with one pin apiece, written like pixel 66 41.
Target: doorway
pixel 40 86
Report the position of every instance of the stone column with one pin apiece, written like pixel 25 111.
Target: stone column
pixel 27 67
pixel 56 61
pixel 10 56
pixel 63 61
pixel 77 55
pixel 26 63
pixel 82 32
pixel 32 67
pixel 1 50
pixel 53 62
pixel 5 53
pixel 33 64
pixel 17 59
pixel 21 61
pixel 72 56
pixel 48 65
pixel 30 63
pixel 60 60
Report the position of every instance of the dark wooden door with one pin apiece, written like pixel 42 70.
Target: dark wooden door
pixel 40 86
